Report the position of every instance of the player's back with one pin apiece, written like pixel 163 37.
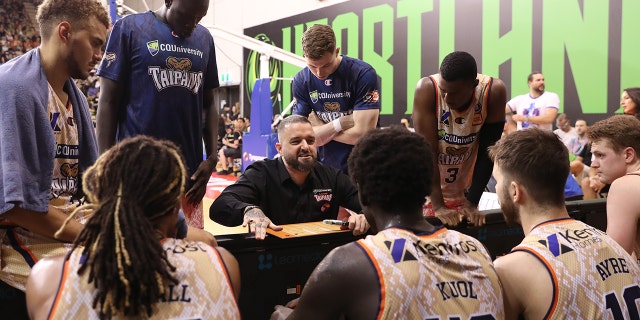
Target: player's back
pixel 593 277
pixel 433 276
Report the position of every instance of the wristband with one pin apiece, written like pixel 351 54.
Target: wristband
pixel 336 125
pixel 527 118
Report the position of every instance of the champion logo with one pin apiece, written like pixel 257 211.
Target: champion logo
pixel 328 82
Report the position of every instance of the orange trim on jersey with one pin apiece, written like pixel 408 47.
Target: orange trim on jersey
pixel 554 279
pixel 485 102
pixel 24 248
pixel 435 85
pixel 63 281
pixel 374 261
pixel 434 234
pixel 225 272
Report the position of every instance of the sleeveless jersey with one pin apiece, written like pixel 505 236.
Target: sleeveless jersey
pixel 163 79
pixel 353 86
pixel 204 289
pixel 433 276
pixel 636 251
pixel 593 277
pixel 458 140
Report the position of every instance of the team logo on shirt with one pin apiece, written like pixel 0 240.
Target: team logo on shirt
pixel 323 194
pixel 444 117
pixel 454 156
pixel 554 245
pixel 331 106
pixel 176 75
pixel 580 238
pixel 314 96
pixel 153 46
pixel 398 251
pixel 455 139
pixel 372 97
pixel 109 57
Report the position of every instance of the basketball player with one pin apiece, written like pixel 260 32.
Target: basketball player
pixel 564 268
pixel 126 261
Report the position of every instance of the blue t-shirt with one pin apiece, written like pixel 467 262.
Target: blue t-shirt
pixel 163 77
pixel 572 187
pixel 353 86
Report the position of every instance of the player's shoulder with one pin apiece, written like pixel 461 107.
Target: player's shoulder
pixel 135 18
pixel 356 65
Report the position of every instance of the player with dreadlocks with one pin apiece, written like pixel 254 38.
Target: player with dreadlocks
pixel 125 262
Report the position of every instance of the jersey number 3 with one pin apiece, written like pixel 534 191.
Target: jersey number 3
pixel 453 173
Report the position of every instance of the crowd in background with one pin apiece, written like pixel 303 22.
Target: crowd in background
pixel 18 34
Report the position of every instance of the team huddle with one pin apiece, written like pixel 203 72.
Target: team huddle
pixel 108 223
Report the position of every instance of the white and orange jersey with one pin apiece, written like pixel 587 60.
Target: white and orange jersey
pixel 593 277
pixel 204 290
pixel 458 133
pixel 436 275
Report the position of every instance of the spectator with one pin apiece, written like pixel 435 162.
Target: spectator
pixel 538 108
pixel 231 149
pixel 235 111
pixel 546 275
pixel 565 131
pixel 404 121
pixel 630 100
pixel 581 151
pixel 226 113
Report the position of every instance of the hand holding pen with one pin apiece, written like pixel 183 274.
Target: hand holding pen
pixel 356 222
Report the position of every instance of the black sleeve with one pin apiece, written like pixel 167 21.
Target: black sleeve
pixel 348 193
pixel 228 208
pixel 489 134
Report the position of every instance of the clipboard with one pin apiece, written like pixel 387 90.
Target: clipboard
pixel 305 229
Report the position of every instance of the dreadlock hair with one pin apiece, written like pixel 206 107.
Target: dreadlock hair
pixel 129 194
pixel 459 65
pixel 396 179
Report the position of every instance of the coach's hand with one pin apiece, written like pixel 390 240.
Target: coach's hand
pixel 258 222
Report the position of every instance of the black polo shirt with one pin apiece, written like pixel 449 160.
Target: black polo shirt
pixel 267 184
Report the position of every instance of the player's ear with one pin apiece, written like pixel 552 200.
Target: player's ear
pixel 629 154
